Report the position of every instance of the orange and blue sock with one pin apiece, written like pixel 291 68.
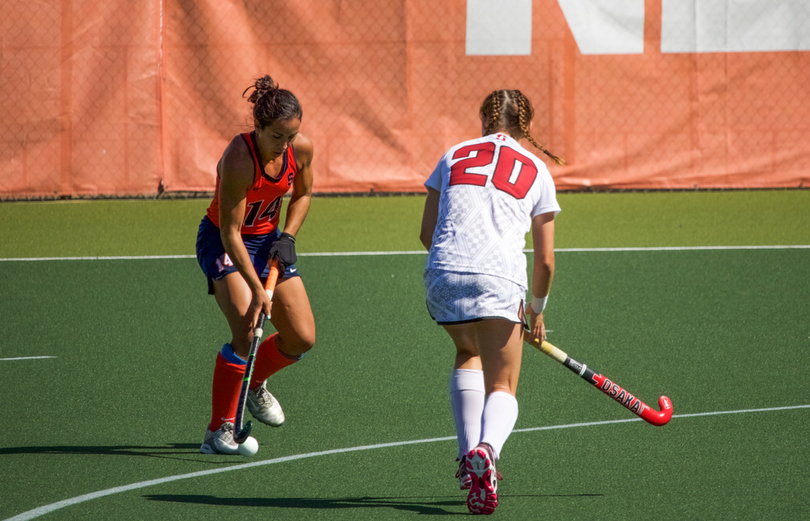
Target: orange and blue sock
pixel 228 372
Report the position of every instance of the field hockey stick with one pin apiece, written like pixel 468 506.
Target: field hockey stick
pixel 612 389
pixel 241 433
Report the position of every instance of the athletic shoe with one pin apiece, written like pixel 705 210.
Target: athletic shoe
pixel 220 441
pixel 483 497
pixel 264 407
pixel 463 476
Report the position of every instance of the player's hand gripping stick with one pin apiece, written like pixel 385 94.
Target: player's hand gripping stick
pixel 612 389
pixel 241 433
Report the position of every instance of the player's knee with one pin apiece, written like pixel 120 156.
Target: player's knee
pixel 299 344
pixel 306 342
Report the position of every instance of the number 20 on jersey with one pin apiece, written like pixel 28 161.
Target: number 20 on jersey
pixel 513 173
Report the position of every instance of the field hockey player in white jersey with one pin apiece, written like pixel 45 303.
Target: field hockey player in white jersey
pixel 483 197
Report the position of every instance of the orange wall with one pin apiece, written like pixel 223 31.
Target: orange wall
pixel 117 97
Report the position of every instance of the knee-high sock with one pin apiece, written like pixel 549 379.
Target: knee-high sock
pixel 500 415
pixel 467 395
pixel 269 360
pixel 228 372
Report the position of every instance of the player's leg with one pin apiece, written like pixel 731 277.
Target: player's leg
pixel 449 300
pixel 295 326
pixel 233 297
pixel 500 347
pixel 467 394
pixel 292 317
pixel 465 340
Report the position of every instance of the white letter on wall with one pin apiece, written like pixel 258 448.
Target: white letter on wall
pixel 735 25
pixel 606 26
pixel 499 27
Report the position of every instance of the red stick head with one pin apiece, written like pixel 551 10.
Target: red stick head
pixel 661 417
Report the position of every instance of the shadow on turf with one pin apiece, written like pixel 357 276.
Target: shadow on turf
pixel 165 451
pixel 413 504
pixel 397 503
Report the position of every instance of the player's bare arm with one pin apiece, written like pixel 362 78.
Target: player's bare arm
pixel 543 269
pixel 236 176
pixel 301 196
pixel 429 218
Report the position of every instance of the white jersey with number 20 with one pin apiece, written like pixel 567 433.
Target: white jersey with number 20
pixel 490 189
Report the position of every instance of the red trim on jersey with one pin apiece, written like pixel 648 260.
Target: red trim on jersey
pixel 264 196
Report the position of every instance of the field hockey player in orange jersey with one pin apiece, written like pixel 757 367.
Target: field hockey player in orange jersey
pixel 237 238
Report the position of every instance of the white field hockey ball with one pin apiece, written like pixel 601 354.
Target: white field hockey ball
pixel 249 447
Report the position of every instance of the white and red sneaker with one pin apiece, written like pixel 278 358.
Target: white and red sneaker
pixel 483 497
pixel 463 476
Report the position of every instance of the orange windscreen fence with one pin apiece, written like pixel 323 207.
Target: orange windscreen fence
pixel 122 98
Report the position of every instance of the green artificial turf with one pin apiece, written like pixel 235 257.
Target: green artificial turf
pixel 588 220
pixel 126 398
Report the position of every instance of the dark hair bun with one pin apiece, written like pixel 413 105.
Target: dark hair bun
pixel 262 86
pixel 270 103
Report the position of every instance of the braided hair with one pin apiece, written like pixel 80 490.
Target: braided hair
pixel 511 110
pixel 270 103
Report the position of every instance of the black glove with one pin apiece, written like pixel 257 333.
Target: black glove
pixel 284 250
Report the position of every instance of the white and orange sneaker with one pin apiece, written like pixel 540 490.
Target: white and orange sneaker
pixel 483 496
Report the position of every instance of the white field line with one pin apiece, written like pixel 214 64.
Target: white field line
pixel 132 257
pixel 31 514
pixel 686 248
pixel 422 252
pixel 25 358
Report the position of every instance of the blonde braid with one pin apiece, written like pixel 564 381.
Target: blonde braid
pixel 525 113
pixel 495 117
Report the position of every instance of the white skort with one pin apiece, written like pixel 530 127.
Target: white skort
pixel 454 297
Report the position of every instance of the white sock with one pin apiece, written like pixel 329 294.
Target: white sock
pixel 500 415
pixel 467 395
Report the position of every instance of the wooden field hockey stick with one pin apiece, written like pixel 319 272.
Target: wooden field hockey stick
pixel 612 389
pixel 241 433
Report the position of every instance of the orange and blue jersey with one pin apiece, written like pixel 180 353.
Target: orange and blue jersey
pixel 264 197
